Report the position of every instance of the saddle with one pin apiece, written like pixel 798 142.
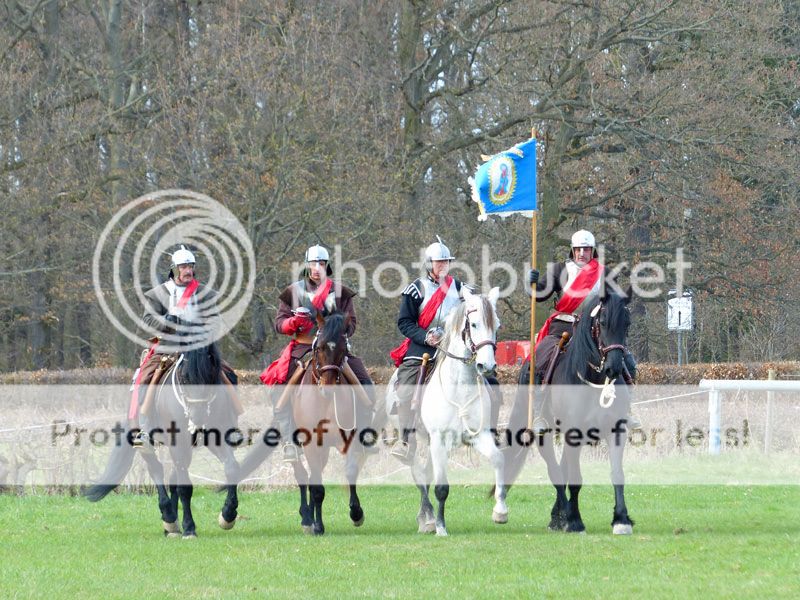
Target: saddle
pixel 550 365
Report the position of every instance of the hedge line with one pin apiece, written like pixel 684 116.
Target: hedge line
pixel 649 374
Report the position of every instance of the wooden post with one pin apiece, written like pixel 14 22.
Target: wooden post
pixel 768 424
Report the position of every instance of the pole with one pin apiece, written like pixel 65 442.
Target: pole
pixel 533 325
pixel 679 346
pixel 533 314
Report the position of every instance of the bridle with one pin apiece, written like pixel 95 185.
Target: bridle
pixel 466 337
pixel 604 350
pixel 316 371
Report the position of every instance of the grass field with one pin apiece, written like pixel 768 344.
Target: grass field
pixel 710 541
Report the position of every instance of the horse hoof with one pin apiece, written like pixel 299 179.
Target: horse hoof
pixel 170 527
pixel 190 536
pixel 226 525
pixel 499 518
pixel 441 532
pixel 308 529
pixel 622 529
pixel 429 527
pixel 174 535
pixel 359 522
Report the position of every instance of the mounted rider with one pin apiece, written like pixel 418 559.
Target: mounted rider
pixel 572 282
pixel 424 306
pixel 299 304
pixel 179 305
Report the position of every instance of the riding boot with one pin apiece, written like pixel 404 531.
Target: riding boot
pixel 283 422
pixel 143 441
pixel 406 446
pixel 540 426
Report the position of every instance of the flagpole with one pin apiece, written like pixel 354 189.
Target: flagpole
pixel 533 315
pixel 533 324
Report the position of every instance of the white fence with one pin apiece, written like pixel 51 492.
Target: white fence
pixel 716 386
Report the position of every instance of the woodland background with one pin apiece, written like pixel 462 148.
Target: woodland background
pixel 664 124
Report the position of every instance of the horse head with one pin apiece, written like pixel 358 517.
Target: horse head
pixel 601 340
pixel 472 329
pixel 329 349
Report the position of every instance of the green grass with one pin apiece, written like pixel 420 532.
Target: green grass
pixel 726 542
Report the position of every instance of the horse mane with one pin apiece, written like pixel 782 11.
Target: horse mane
pixel 583 347
pixel 333 330
pixel 452 324
pixel 451 327
pixel 202 366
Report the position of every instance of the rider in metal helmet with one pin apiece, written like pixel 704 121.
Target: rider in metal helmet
pixel 436 251
pixel 181 256
pixel 318 253
pixel 582 239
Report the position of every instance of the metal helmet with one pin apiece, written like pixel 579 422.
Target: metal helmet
pixel 318 253
pixel 582 239
pixel 436 251
pixel 182 256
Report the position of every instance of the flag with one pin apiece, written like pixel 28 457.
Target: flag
pixel 506 182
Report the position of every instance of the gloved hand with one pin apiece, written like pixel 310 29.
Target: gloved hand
pixel 297 324
pixel 172 319
pixel 533 277
pixel 434 336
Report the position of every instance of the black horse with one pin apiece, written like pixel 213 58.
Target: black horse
pixel 192 407
pixel 589 402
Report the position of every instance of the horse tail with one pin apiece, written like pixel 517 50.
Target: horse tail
pixel 253 459
pixel 118 466
pixel 516 451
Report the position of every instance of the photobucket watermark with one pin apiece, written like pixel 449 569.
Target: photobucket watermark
pixel 647 279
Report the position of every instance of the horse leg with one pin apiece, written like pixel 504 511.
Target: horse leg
pixel 426 523
pixel 353 463
pixel 485 444
pixel 316 457
pixel 181 459
pixel 169 514
pixel 621 524
pixel 441 488
pixel 558 514
pixel 572 466
pixel 228 512
pixel 306 511
pixel 171 529
pixel 317 498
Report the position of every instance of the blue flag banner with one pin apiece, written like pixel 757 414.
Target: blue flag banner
pixel 506 183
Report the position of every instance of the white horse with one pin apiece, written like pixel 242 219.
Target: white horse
pixel 456 404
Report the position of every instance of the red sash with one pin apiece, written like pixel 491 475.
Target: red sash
pixel 425 319
pixel 187 293
pixel 133 409
pixel 278 371
pixel 574 295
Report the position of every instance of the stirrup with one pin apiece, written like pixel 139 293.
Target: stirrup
pixel 291 453
pixel 143 442
pixel 402 451
pixel 632 422
pixel 540 426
